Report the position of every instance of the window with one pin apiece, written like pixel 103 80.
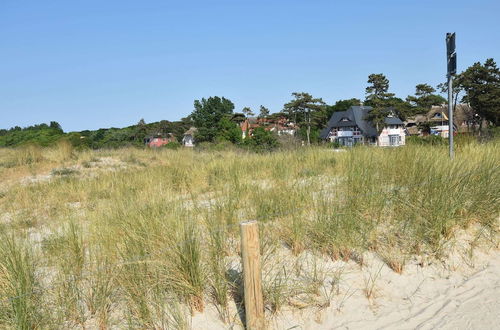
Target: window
pixel 346 141
pixel 394 140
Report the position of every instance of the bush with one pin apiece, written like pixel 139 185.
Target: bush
pixel 41 135
pixel 334 145
pixel 172 145
pixel 261 140
pixel 314 134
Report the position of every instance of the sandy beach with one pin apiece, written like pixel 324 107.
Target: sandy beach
pixel 457 294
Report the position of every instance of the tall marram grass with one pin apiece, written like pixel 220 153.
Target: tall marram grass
pixel 146 244
pixel 19 285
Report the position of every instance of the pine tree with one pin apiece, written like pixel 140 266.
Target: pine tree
pixel 248 112
pixel 378 97
pixel 481 83
pixel 424 99
pixel 300 109
pixel 264 112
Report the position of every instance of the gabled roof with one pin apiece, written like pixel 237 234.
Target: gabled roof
pixel 191 131
pixel 391 120
pixel 356 116
pixel 461 113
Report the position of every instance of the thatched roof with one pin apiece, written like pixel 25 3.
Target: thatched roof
pixel 461 113
pixel 439 113
pixel 191 131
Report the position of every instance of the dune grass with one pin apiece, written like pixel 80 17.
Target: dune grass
pixel 154 240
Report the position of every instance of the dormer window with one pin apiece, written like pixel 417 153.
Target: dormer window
pixel 345 119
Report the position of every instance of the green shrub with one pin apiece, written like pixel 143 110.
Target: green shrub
pixel 172 145
pixel 334 145
pixel 261 140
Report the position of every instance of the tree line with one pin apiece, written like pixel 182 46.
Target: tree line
pixel 217 121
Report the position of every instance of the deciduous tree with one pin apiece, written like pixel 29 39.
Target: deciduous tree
pixel 207 116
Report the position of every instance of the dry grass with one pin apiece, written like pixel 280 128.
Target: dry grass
pixel 143 238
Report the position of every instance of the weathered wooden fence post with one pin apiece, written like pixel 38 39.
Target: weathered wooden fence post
pixel 250 254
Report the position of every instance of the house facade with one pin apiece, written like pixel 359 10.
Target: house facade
pixel 280 126
pixel 188 138
pixel 159 140
pixel 436 119
pixel 351 127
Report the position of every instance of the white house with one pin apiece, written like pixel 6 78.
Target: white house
pixel 188 139
pixel 351 127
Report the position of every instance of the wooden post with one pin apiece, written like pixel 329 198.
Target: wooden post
pixel 250 254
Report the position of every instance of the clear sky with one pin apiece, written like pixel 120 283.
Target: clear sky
pixel 108 63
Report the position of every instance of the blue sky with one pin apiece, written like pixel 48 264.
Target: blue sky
pixel 91 64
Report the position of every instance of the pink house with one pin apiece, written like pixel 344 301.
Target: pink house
pixel 158 141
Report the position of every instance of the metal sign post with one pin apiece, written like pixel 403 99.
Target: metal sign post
pixel 452 70
pixel 450 114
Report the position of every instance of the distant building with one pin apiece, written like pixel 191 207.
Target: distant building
pixel 188 139
pixel 351 127
pixel 159 140
pixel 436 120
pixel 280 126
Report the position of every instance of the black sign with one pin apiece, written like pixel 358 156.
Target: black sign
pixel 451 54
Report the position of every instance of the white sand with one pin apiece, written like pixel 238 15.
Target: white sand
pixel 426 300
pixel 460 294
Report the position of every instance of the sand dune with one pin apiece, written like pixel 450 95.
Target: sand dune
pixel 425 298
pixel 473 303
pixel 455 295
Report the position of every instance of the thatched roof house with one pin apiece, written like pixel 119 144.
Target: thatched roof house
pixel 463 119
pixel 188 138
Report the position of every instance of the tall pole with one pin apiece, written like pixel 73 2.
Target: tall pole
pixel 450 114
pixel 451 56
pixel 309 127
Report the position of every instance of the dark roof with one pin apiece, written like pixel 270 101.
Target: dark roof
pixel 393 121
pixel 356 116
